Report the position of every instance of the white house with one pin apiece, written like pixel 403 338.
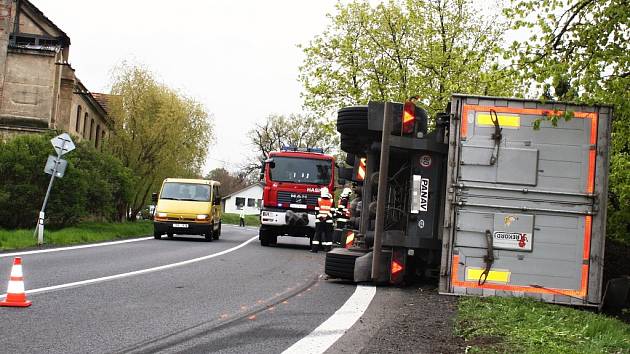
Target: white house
pixel 248 198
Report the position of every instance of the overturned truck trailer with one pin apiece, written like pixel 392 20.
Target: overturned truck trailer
pixel 496 198
pixel 526 208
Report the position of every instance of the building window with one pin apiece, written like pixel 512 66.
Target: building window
pixel 258 203
pixel 77 124
pixel 102 138
pixel 92 129
pixel 98 136
pixel 251 202
pixel 85 123
pixel 239 202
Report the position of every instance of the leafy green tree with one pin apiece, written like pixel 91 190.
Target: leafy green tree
pixel 305 131
pixel 397 49
pixel 158 133
pixel 94 186
pixel 579 50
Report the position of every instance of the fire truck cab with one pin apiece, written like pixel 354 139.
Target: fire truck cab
pixel 293 178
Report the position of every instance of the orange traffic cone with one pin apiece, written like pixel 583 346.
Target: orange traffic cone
pixel 16 297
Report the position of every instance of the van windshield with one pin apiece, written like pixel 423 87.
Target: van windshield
pixel 186 191
pixel 298 170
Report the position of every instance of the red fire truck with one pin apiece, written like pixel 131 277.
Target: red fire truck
pixel 293 178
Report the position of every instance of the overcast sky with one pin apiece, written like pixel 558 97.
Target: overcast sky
pixel 239 58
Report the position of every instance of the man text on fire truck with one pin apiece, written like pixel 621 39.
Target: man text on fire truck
pixel 324 223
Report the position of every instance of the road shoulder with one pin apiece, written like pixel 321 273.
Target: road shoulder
pixel 414 319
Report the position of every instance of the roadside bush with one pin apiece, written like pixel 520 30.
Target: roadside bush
pixel 94 187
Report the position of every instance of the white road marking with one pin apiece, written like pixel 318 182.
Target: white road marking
pixel 138 272
pixel 2 255
pixel 334 327
pixel 241 227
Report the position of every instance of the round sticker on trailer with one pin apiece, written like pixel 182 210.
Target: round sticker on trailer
pixel 425 160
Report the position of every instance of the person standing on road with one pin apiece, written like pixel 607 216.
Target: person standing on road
pixel 241 222
pixel 324 223
pixel 343 211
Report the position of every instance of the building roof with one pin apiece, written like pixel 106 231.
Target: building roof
pixel 64 37
pixel 243 189
pixel 82 90
pixel 102 99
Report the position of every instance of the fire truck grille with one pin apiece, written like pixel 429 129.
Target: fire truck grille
pixel 297 198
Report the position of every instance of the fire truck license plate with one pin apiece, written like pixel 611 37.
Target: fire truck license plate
pixel 184 226
pixel 297 206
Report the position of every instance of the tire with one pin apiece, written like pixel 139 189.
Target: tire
pixel 217 233
pixel 267 237
pixel 351 146
pixel 169 235
pixel 264 240
pixel 350 158
pixel 157 236
pixel 352 120
pixel 209 235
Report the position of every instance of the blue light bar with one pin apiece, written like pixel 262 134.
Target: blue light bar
pixel 295 148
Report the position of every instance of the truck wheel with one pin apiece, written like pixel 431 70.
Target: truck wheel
pixel 352 120
pixel 350 159
pixel 264 239
pixel 351 144
pixel 169 235
pixel 157 235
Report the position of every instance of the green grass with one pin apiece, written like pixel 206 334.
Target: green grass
pixel 250 220
pixel 521 325
pixel 82 233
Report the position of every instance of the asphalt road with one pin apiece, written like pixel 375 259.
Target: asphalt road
pixel 252 299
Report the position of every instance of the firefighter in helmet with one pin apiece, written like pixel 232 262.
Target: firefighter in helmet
pixel 324 223
pixel 343 208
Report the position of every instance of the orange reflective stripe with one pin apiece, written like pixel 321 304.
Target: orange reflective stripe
pixel 588 224
pixel 530 111
pixel 464 121
pixel 581 293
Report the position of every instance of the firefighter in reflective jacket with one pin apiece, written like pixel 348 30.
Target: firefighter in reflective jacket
pixel 343 212
pixel 324 223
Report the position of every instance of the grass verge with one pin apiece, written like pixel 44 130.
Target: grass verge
pixel 250 220
pixel 521 325
pixel 82 233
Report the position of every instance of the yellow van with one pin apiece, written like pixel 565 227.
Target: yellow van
pixel 188 207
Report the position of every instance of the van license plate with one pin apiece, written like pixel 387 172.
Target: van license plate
pixel 181 225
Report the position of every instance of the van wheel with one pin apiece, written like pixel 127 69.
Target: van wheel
pixel 209 234
pixel 217 233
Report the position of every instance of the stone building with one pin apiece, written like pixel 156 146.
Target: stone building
pixel 39 90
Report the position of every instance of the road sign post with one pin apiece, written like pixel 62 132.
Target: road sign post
pixel 62 144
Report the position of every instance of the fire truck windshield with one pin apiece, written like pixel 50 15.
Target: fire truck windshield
pixel 300 170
